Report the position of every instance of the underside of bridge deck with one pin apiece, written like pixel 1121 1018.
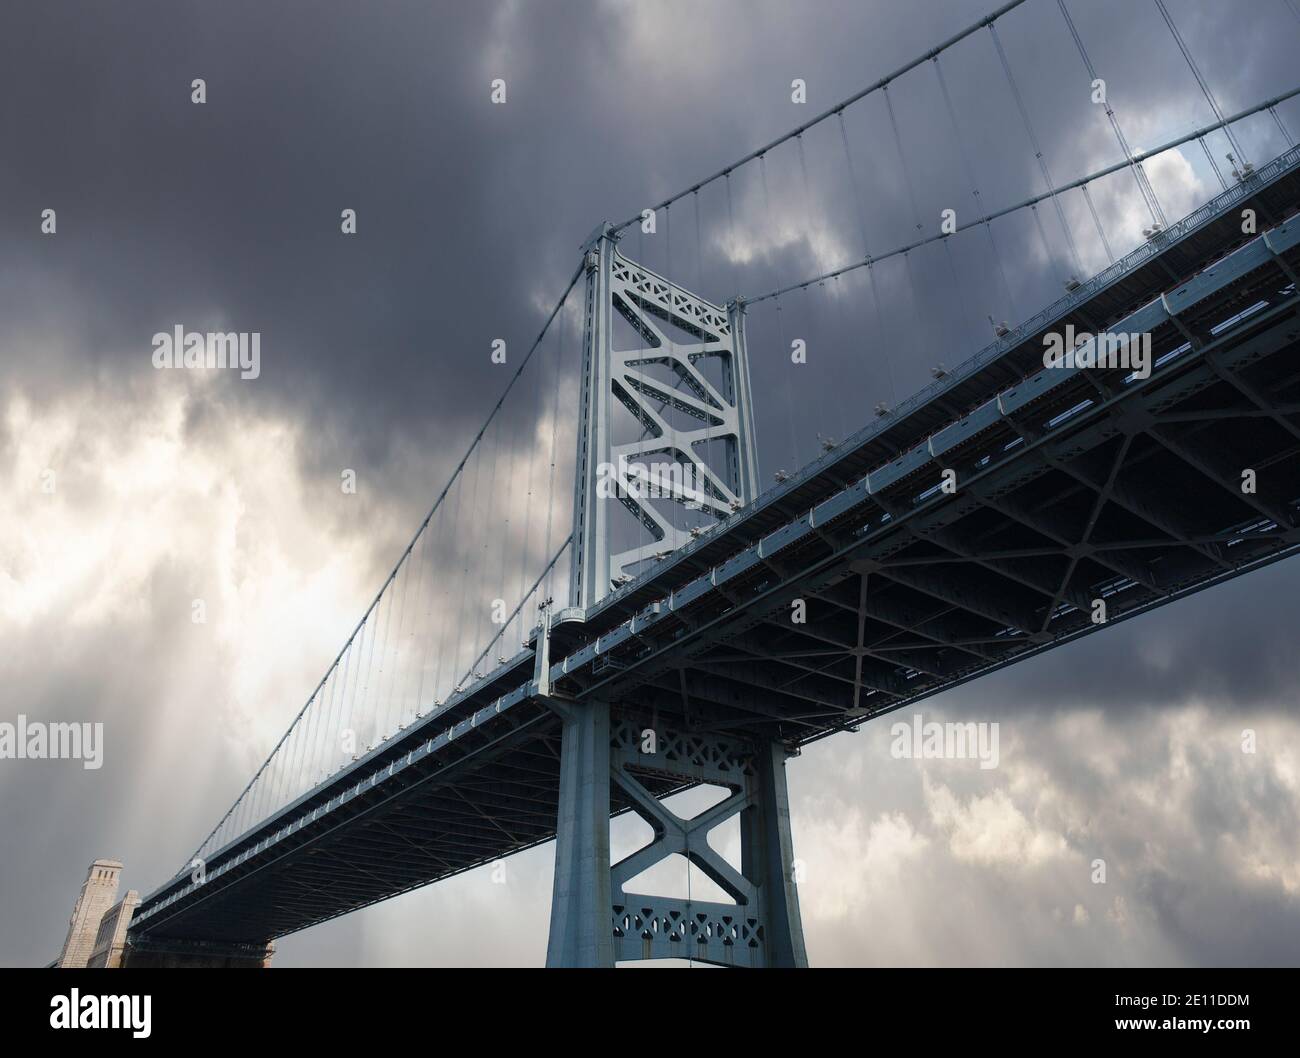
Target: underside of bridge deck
pixel 1050 533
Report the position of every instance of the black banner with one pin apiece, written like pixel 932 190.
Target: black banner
pixel 1226 1006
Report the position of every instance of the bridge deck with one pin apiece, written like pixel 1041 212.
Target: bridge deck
pixel 1072 485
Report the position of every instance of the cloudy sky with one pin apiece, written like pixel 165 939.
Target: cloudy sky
pixel 131 492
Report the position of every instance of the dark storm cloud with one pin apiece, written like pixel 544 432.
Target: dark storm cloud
pixel 470 214
pixel 375 348
pixel 171 212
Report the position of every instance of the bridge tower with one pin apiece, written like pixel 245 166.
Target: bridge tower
pixel 595 921
pixel 685 449
pixel 685 384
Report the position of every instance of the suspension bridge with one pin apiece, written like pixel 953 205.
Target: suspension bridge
pixel 531 669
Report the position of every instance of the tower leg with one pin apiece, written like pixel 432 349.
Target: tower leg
pixel 595 920
pixel 581 931
pixel 767 858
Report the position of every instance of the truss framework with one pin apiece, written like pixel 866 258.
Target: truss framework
pixel 596 922
pixel 722 415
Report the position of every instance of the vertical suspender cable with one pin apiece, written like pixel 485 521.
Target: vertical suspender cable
pixel 448 588
pixel 1200 80
pixel 345 703
pixel 1050 184
pixel 1101 232
pixel 318 754
pixel 780 334
pixel 420 639
pixel 310 734
pixel 1281 126
pixel 866 251
pixel 555 426
pixel 1042 232
pixel 471 518
pixel 385 622
pixel 853 183
pixel 731 234
pixel 531 422
pixel 974 185
pixel 916 213
pixel 817 258
pixel 1209 156
pixel 401 594
pixel 489 530
pixel 1139 174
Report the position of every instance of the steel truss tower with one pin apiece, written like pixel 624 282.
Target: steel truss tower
pixel 609 761
pixel 610 471
pixel 595 922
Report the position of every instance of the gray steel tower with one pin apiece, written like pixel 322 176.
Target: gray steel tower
pixel 685 386
pixel 662 382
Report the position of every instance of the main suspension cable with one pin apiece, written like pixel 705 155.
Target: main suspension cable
pixel 875 86
pixel 1033 200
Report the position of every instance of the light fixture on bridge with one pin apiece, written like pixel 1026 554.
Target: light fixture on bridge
pixel 1240 170
pixel 781 476
pixel 1072 283
pixel 938 371
pixel 882 409
pixel 1000 330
